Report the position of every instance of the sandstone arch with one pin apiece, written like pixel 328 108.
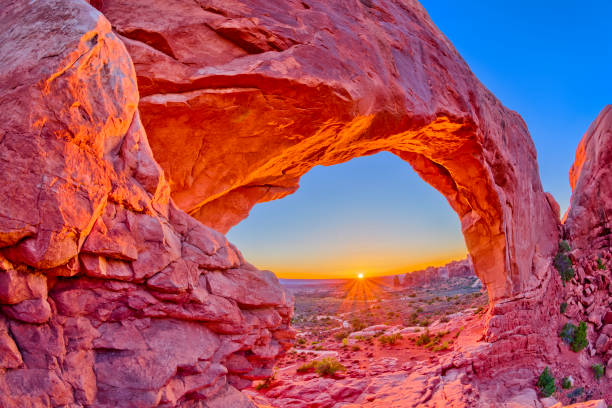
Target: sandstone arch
pixel 259 92
pixel 98 267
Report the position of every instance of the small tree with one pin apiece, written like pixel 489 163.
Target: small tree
pixel 580 339
pixel 598 370
pixel 546 383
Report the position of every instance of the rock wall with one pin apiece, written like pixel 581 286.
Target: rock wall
pixel 110 295
pixel 588 221
pixel 588 230
pixel 252 94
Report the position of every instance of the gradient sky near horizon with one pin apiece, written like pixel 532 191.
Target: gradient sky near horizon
pixel 549 61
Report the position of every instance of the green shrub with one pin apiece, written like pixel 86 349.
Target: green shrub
pixel 563 263
pixel 600 264
pixel 459 331
pixel 390 339
pixel 580 339
pixel 564 246
pixel 563 307
pixel 323 367
pixel 423 339
pixel 266 383
pixel 566 384
pixel 441 347
pixel 345 342
pixel 567 333
pixel 328 366
pixel 306 367
pixel 575 336
pixel 546 383
pixel 598 370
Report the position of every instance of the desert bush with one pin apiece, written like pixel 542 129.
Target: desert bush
pixel 328 366
pixel 325 367
pixel 441 347
pixel 575 336
pixel 563 307
pixel 390 339
pixel 564 246
pixel 546 383
pixel 444 319
pixel 345 342
pixel 598 370
pixel 600 264
pixel 301 341
pixel 563 263
pixel 306 367
pixel 567 333
pixel 355 347
pixel 566 383
pixel 341 335
pixel 266 383
pixel 580 339
pixel 459 331
pixel 423 339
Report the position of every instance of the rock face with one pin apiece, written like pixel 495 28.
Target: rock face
pixel 110 295
pixel 589 219
pixel 435 275
pixel 252 94
pixel 588 229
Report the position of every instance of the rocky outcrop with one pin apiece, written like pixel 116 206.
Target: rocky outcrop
pixel 588 230
pixel 251 95
pixel 589 219
pixel 109 294
pixel 437 275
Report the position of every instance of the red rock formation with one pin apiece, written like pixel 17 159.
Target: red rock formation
pixel 436 275
pixel 588 227
pixel 589 218
pixel 252 94
pixel 112 296
pixel 109 294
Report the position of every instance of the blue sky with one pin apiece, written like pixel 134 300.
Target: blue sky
pixel 549 61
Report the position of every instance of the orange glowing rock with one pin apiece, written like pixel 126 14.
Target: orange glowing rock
pixel 113 296
pixel 257 93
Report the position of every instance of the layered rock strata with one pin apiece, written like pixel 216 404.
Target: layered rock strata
pixel 109 294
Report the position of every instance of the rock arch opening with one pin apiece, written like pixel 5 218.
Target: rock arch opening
pixel 372 215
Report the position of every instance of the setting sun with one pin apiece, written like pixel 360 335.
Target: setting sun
pixel 360 275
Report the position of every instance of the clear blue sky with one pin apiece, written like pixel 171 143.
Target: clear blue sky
pixel 549 61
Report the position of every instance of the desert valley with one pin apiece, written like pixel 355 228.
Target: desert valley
pixel 134 135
